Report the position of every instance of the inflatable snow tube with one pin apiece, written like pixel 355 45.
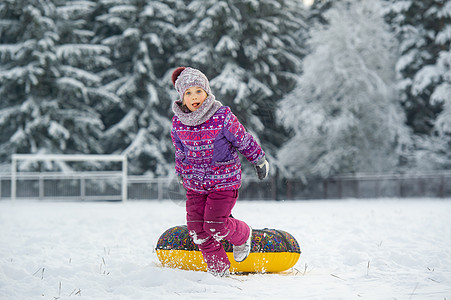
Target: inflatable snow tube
pixel 272 251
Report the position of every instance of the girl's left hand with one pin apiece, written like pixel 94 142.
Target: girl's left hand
pixel 262 168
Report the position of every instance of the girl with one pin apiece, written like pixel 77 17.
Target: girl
pixel 207 138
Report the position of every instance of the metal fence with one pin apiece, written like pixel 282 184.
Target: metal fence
pixel 408 185
pixel 60 186
pixel 90 186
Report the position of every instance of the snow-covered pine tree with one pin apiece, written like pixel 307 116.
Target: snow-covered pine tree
pixel 45 105
pixel 433 152
pixel 343 113
pixel 250 51
pixel 423 28
pixel 140 124
pixel 158 22
pixel 424 31
pixel 317 10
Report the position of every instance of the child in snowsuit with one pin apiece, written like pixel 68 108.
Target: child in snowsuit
pixel 207 137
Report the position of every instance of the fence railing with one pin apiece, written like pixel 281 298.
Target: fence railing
pixel 408 185
pixel 57 185
pixel 89 186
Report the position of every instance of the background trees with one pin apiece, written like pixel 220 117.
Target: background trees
pixel 344 114
pixel 424 31
pixel 46 104
pixel 138 34
pixel 94 77
pixel 251 51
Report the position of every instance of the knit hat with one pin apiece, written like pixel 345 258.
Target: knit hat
pixel 185 78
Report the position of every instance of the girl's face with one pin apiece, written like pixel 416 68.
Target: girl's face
pixel 194 97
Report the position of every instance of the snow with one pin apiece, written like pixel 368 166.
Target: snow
pixel 68 51
pixel 351 249
pixel 423 78
pixel 444 36
pixel 75 9
pixel 227 44
pixel 445 11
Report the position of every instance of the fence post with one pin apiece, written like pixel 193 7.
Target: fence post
pixel 160 188
pixel 82 187
pixel 401 188
pixel 325 188
pixel 356 191
pixel 378 187
pixel 289 189
pixel 422 187
pixel 124 179
pixel 41 187
pixel 13 179
pixel 275 192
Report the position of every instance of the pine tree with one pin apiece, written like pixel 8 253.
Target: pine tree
pixel 433 152
pixel 94 76
pixel 424 31
pixel 422 28
pixel 343 114
pixel 45 105
pixel 250 51
pixel 135 32
pixel 318 9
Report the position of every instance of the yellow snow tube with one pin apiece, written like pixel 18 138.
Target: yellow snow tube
pixel 272 251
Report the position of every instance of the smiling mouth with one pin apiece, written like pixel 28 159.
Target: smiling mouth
pixel 195 104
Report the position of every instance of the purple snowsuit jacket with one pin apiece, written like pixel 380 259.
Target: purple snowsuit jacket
pixel 206 155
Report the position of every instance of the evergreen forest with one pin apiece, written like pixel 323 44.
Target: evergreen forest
pixel 342 86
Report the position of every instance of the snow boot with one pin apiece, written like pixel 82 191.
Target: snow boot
pixel 241 252
pixel 219 269
pixel 224 273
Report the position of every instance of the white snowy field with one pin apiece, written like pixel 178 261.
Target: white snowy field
pixel 351 249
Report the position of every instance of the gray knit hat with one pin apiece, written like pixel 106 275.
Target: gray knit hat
pixel 185 78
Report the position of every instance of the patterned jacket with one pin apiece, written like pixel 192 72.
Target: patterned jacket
pixel 206 155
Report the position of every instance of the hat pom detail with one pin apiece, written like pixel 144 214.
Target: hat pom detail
pixel 176 74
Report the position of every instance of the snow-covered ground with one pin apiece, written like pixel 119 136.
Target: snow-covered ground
pixel 351 249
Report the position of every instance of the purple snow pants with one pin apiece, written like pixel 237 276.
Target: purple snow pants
pixel 209 222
